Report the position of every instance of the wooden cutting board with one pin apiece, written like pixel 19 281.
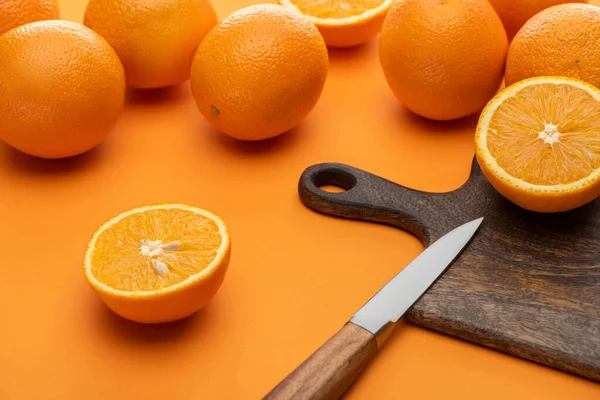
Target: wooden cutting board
pixel 528 284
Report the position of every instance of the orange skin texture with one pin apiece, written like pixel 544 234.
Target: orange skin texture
pixel 15 13
pixel 443 60
pixel 563 40
pixel 170 306
pixel 155 39
pixel 62 89
pixel 515 13
pixel 263 68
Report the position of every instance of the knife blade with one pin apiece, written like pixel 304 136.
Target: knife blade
pixel 399 294
pixel 329 371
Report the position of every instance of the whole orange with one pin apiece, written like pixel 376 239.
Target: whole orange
pixel 155 39
pixel 514 13
pixel 443 59
pixel 260 72
pixel 15 13
pixel 62 88
pixel 563 40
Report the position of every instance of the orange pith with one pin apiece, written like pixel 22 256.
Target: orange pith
pixel 335 8
pixel 538 143
pixel 547 134
pixel 126 268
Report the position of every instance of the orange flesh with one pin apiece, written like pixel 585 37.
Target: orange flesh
pixel 119 263
pixel 335 8
pixel 513 137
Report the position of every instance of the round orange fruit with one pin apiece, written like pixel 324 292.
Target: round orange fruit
pixel 260 72
pixel 158 263
pixel 443 60
pixel 155 39
pixel 514 13
pixel 15 13
pixel 538 143
pixel 62 88
pixel 563 40
pixel 343 23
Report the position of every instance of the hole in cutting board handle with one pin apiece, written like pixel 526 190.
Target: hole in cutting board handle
pixel 334 180
pixel 332 189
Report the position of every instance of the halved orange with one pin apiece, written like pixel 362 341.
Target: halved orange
pixel 538 143
pixel 343 23
pixel 158 263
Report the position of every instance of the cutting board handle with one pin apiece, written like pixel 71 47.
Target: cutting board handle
pixel 368 197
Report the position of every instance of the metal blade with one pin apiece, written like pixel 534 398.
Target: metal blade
pixel 399 294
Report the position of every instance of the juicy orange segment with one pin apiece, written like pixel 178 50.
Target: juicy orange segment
pixel 343 23
pixel 538 143
pixel 335 8
pixel 552 132
pixel 155 254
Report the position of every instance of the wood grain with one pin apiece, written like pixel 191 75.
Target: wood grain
pixel 330 370
pixel 528 284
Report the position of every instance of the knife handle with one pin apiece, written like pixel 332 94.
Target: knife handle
pixel 330 370
pixel 369 197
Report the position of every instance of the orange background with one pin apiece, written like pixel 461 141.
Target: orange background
pixel 295 276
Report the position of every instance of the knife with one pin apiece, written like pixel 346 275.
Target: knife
pixel 329 371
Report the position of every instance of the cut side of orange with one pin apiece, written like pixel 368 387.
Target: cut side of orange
pixel 343 23
pixel 158 263
pixel 538 143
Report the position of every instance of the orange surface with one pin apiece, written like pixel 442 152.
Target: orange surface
pixel 41 115
pixel 295 276
pixel 251 86
pixel 560 40
pixel 467 36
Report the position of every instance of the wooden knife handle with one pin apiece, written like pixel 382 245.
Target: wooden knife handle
pixel 330 370
pixel 369 197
